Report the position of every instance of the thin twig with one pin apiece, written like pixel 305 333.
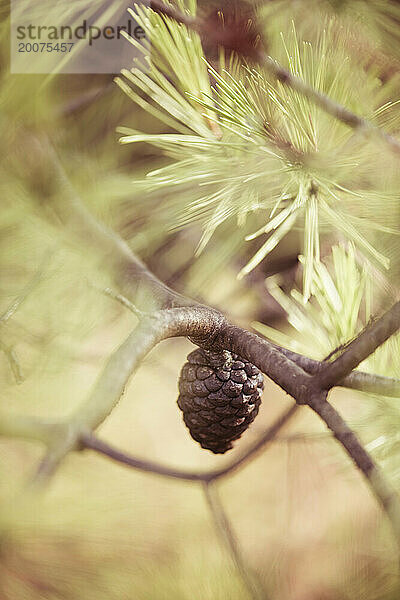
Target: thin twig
pixel 359 349
pixel 269 436
pixel 92 442
pixel 13 362
pixel 59 446
pixel 230 542
pixel 124 301
pixel 378 483
pixel 336 110
pixel 357 380
pixel 26 291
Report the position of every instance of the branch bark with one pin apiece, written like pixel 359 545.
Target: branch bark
pixel 91 442
pixel 359 349
pixel 208 328
pixel 357 380
pixel 379 485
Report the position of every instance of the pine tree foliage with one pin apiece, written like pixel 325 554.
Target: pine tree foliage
pixel 343 290
pixel 245 144
pixel 242 147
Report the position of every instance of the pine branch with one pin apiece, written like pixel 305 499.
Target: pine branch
pixel 357 380
pixel 228 538
pixel 30 428
pixel 91 442
pixel 220 38
pixel 202 325
pixel 131 276
pixel 336 110
pixel 379 485
pixel 373 336
pixel 208 328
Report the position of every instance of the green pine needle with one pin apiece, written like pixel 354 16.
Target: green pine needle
pixel 248 144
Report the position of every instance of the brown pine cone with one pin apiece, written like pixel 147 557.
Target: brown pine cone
pixel 219 395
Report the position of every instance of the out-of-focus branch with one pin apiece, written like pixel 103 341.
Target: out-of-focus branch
pixel 228 538
pixel 92 442
pixel 379 485
pixel 127 272
pixel 220 37
pixel 11 310
pixel 15 367
pixel 20 299
pixel 29 428
pixel 208 328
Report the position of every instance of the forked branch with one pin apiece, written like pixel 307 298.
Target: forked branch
pixel 207 327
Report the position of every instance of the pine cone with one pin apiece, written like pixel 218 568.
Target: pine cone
pixel 219 395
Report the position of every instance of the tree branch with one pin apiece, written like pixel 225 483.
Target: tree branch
pixel 376 480
pixel 110 385
pixel 336 110
pixel 202 325
pixel 208 328
pixel 91 442
pixel 357 380
pixel 127 271
pixel 359 349
pixel 229 540
pixel 134 279
pixel 29 428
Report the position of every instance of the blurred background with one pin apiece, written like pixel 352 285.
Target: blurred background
pixel 304 518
